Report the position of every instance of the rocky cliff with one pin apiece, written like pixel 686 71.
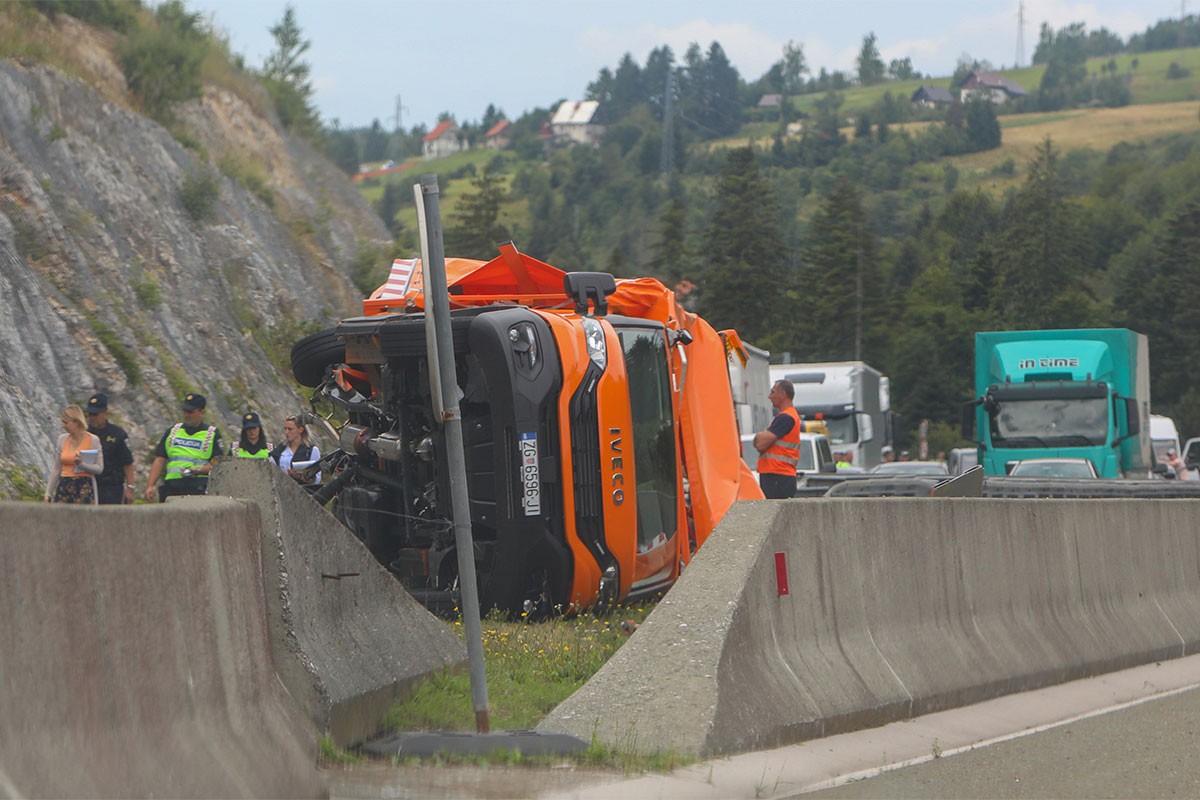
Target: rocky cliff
pixel 147 263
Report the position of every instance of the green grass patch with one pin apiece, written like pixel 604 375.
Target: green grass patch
pixel 21 483
pixel 531 668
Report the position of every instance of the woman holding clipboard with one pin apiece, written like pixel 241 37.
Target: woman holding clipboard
pixel 297 451
pixel 76 462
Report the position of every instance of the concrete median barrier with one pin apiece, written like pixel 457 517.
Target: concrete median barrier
pixel 136 658
pixel 347 639
pixel 894 608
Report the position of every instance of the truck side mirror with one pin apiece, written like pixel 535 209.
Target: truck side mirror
pixel 1133 420
pixel 968 420
pixel 866 429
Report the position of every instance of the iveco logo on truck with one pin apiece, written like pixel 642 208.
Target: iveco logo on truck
pixel 618 463
pixel 1034 363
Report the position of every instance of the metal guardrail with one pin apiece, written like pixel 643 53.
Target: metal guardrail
pixel 973 484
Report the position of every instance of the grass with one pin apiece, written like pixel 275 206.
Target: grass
pixel 531 668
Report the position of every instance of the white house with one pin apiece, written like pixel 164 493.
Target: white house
pixel 442 140
pixel 573 121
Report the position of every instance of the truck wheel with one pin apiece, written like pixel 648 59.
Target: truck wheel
pixel 312 356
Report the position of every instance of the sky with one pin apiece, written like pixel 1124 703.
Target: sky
pixel 459 56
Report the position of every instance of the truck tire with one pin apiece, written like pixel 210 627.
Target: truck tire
pixel 312 356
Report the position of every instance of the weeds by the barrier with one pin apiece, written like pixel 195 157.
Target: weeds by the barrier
pixel 531 668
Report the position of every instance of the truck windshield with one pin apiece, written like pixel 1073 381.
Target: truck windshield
pixel 842 430
pixel 1042 422
pixel 653 433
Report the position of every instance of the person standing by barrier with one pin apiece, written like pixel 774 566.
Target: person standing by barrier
pixel 77 460
pixel 779 445
pixel 188 451
pixel 296 449
pixel 115 483
pixel 253 441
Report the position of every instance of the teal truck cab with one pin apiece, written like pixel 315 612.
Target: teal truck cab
pixel 1062 393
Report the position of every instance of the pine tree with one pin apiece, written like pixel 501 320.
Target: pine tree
pixel 286 76
pixel 746 272
pixel 477 228
pixel 841 289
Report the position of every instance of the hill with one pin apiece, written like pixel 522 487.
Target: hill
pixel 148 260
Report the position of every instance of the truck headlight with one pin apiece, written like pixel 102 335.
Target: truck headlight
pixel 597 349
pixel 524 344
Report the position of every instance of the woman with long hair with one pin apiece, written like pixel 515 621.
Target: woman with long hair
pixel 296 448
pixel 77 460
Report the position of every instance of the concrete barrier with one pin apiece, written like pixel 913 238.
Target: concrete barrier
pixel 347 639
pixel 895 608
pixel 134 657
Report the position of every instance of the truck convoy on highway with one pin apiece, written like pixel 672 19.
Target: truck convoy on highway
pixel 1062 393
pixel 851 397
pixel 601 445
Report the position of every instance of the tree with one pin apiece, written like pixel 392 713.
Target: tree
pixel 901 69
pixel 669 260
pixel 1065 55
pixel 477 229
pixel 162 63
pixel 375 144
pixel 1043 254
pixel 286 76
pixel 870 64
pixel 795 67
pixel 983 129
pixel 746 273
pixel 841 284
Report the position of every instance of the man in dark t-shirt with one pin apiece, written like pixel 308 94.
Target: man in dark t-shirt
pixel 115 484
pixel 779 445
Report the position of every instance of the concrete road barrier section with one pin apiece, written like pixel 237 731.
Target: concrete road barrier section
pixel 135 658
pixel 347 639
pixel 804 618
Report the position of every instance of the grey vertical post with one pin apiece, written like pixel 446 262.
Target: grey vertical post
pixel 437 303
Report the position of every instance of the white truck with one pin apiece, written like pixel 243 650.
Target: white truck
pixel 850 397
pixel 750 381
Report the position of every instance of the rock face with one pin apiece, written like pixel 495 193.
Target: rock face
pixel 109 283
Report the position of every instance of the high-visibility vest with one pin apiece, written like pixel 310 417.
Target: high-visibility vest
pixel 781 458
pixel 262 452
pixel 188 451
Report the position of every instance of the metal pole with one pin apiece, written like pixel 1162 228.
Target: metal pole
pixel 437 303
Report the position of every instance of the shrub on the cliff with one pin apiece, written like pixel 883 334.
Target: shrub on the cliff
pixel 162 60
pixel 198 194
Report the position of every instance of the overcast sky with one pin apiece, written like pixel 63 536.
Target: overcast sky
pixel 460 55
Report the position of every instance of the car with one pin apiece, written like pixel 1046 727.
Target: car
pixel 906 469
pixel 1053 468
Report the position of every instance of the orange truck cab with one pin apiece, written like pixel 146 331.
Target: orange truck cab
pixel 601 444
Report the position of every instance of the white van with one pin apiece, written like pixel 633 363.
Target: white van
pixel 1164 436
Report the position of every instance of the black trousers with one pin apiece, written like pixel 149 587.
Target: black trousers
pixel 112 494
pixel 181 486
pixel 777 487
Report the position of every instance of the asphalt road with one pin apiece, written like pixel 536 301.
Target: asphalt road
pixel 1147 750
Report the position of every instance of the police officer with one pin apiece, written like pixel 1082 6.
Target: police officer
pixel 779 445
pixel 115 483
pixel 187 451
pixel 253 442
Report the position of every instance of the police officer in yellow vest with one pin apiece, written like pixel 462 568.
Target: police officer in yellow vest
pixel 253 442
pixel 779 445
pixel 187 452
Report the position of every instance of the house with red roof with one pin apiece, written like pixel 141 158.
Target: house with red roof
pixel 989 86
pixel 497 136
pixel 442 140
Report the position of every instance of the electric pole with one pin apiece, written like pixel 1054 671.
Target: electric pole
pixel 400 109
pixel 667 160
pixel 1020 33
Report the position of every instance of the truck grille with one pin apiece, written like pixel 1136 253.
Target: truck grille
pixel 585 448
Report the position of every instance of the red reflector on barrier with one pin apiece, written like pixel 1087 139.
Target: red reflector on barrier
pixel 781 578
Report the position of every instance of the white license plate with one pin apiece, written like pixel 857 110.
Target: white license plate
pixel 531 498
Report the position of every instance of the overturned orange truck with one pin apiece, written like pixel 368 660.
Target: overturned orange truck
pixel 600 439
